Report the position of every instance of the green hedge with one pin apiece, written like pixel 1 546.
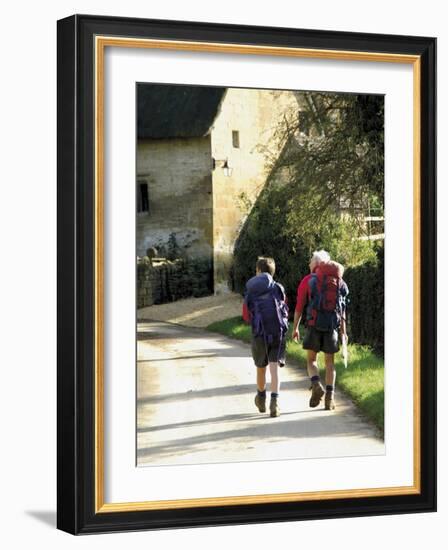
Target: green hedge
pixel 265 234
pixel 366 308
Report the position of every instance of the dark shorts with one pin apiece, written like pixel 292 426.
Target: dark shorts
pixel 263 353
pixel 316 340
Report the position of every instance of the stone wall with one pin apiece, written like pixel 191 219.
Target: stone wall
pixel 178 174
pixel 255 115
pixel 161 281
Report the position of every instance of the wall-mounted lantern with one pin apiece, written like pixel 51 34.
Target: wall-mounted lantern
pixel 224 165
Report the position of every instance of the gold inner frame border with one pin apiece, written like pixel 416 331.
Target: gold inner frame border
pixel 100 43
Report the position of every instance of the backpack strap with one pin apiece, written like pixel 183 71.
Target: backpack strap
pixel 282 290
pixel 311 305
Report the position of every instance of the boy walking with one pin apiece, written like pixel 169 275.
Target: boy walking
pixel 265 307
pixel 322 295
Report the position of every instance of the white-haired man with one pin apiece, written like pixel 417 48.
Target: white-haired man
pixel 322 295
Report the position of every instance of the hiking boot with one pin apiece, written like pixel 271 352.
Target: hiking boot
pixel 260 403
pixel 317 392
pixel 273 407
pixel 329 401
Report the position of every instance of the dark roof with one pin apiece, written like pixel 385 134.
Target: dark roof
pixel 176 111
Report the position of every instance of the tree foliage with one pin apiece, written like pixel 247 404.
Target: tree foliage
pixel 326 173
pixel 332 153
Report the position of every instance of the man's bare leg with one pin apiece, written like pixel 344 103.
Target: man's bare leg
pixel 330 371
pixel 330 379
pixel 275 387
pixel 313 372
pixel 311 363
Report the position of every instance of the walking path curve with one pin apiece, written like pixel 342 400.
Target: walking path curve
pixel 195 312
pixel 195 404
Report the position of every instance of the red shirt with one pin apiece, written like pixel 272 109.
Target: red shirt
pixel 303 294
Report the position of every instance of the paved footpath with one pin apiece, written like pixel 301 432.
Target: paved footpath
pixel 195 405
pixel 195 312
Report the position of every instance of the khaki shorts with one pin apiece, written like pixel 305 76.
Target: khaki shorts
pixel 263 353
pixel 317 340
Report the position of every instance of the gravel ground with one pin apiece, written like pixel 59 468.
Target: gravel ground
pixel 194 312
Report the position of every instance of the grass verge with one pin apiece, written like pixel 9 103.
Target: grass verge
pixel 362 380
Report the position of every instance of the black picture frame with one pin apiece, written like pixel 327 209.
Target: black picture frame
pixel 76 480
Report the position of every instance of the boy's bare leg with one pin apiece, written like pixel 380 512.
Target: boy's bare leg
pixel 261 378
pixel 330 379
pixel 275 382
pixel 260 398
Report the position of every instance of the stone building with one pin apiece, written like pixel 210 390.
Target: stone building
pixel 199 150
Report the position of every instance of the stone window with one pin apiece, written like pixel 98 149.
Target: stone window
pixel 236 139
pixel 142 197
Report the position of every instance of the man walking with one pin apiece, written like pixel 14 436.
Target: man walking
pixel 322 296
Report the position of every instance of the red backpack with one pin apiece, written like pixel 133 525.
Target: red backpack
pixel 326 302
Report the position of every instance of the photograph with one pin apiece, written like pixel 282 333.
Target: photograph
pixel 227 232
pixel 246 300
pixel 260 235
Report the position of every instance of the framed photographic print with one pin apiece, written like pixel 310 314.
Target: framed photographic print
pixel 246 274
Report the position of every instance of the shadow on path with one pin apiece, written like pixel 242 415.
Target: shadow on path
pixel 267 429
pixel 177 358
pixel 216 420
pixel 185 367
pixel 215 392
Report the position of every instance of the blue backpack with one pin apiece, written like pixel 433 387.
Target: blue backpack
pixel 266 302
